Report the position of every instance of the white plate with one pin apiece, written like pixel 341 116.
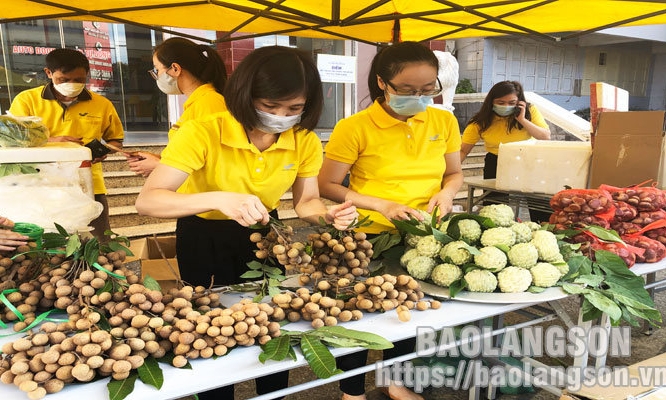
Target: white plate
pixel 549 294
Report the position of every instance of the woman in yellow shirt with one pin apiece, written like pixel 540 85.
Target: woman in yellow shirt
pixel 402 156
pixel 236 165
pixel 195 70
pixel 504 117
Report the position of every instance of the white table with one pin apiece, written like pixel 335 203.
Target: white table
pixel 242 363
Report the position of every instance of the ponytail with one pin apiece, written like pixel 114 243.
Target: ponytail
pixel 202 61
pixel 214 71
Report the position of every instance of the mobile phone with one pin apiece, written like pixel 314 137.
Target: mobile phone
pixel 97 149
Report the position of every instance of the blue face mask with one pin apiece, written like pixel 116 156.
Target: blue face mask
pixel 503 111
pixel 408 105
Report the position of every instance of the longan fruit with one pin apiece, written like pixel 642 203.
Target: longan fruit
pixel 38 393
pixel 180 361
pixel 404 316
pixel 53 385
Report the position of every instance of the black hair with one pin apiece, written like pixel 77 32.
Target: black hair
pixel 391 60
pixel 484 117
pixel 66 60
pixel 275 73
pixel 200 60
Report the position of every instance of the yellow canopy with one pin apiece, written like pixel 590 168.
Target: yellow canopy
pixel 365 20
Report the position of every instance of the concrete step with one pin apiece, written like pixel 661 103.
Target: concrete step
pixel 127 216
pixel 123 196
pixel 122 179
pixel 138 231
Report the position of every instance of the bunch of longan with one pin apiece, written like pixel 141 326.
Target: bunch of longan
pixel 22 268
pixel 43 362
pixel 279 245
pixel 319 309
pixel 347 256
pixel 377 294
pixel 218 330
pixel 388 292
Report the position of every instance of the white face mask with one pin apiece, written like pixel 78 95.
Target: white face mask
pixel 271 123
pixel 69 89
pixel 168 84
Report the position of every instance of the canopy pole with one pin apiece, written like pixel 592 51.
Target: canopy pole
pixel 396 31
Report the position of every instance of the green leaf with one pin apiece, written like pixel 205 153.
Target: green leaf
pixel 535 289
pixel 73 245
pixel 118 390
pixel 604 234
pixel 115 246
pixel 103 322
pixel 409 227
pixel 150 283
pixel 652 316
pixel 318 356
pixel 255 265
pixel 604 304
pixel 590 312
pixel 383 242
pixel 91 251
pixel 252 274
pixel 53 240
pixel 574 289
pixel 272 270
pixel 150 373
pixel 590 280
pixel 275 349
pixel 441 236
pixel 394 253
pixel 367 339
pixel 61 230
pixel 273 290
pixel 456 286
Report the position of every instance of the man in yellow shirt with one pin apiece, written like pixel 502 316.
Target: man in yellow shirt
pixel 74 114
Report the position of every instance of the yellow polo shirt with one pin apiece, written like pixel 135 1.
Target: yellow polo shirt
pixel 201 103
pixel 219 157
pixel 394 160
pixel 91 117
pixel 497 132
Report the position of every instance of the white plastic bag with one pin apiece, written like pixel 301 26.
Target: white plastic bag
pixel 45 199
pixel 448 76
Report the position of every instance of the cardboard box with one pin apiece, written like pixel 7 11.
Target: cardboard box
pixel 605 97
pixel 620 390
pixel 629 149
pixel 542 166
pixel 147 250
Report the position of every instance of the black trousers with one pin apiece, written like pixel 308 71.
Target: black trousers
pixel 490 172
pixel 219 249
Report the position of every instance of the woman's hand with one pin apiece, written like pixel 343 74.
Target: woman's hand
pixel 66 139
pixel 443 201
pixel 10 240
pixel 342 215
pixel 391 210
pixel 246 209
pixel 520 110
pixel 142 163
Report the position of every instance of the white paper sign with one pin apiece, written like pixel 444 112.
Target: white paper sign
pixel 339 69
